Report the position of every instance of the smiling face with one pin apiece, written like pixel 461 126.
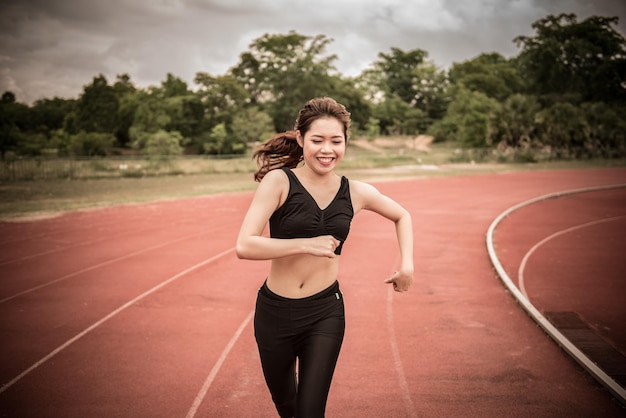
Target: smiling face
pixel 323 144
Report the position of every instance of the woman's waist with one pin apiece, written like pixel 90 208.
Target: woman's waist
pixel 330 292
pixel 303 278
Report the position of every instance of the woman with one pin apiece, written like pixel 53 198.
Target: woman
pixel 299 311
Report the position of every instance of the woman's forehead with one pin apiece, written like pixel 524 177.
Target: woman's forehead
pixel 326 126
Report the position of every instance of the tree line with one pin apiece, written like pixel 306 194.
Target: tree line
pixel 565 91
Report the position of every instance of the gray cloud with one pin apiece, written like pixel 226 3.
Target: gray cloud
pixel 53 48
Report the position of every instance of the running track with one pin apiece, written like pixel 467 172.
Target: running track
pixel 144 310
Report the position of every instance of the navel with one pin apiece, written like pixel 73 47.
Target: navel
pixel 301 285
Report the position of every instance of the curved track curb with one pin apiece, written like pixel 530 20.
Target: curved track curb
pixel 599 374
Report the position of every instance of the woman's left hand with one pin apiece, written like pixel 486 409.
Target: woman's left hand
pixel 401 281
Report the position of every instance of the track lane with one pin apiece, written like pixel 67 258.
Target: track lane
pixel 34 320
pixel 465 346
pixel 142 352
pixel 576 277
pixel 38 326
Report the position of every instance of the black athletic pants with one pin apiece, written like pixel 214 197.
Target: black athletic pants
pixel 311 330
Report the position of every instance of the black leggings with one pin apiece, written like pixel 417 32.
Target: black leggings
pixel 311 330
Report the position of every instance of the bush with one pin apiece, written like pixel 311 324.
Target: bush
pixel 91 143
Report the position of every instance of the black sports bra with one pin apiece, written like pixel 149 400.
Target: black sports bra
pixel 301 217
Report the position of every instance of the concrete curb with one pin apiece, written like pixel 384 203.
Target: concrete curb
pixel 615 388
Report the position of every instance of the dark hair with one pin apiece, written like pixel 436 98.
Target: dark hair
pixel 283 150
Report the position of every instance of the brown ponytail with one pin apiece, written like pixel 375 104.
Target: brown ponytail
pixel 282 150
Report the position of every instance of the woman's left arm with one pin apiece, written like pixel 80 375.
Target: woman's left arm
pixel 368 197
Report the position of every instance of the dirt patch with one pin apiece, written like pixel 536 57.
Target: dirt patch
pixel 419 143
pixel 367 145
pixel 422 142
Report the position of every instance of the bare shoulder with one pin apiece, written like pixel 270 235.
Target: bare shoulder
pixel 367 196
pixel 360 187
pixel 275 177
pixel 362 194
pixel 275 184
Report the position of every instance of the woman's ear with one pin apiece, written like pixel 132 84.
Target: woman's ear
pixel 299 139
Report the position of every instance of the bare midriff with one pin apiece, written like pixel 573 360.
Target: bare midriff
pixel 299 276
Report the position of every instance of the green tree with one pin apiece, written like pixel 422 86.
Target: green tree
pixel 491 74
pixel 184 108
pixel 221 97
pixel 563 126
pixel 513 124
pixel 171 107
pixel 128 99
pixel 28 130
pixel 251 125
pixel 174 86
pixel 372 129
pixel 91 143
pixel 123 85
pixel 186 115
pixel 607 129
pixel 431 93
pixel 371 82
pixel 97 108
pixel 408 76
pixel 8 97
pixel 220 142
pixel 347 92
pixel 282 72
pixel 398 70
pixel 48 115
pixel 32 144
pixel 391 113
pixel 571 60
pixel 467 120
pixel 162 145
pixel 14 118
pixel 150 116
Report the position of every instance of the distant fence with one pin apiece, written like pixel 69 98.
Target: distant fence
pixel 48 168
pixel 114 167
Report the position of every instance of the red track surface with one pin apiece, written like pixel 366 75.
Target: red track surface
pixel 144 311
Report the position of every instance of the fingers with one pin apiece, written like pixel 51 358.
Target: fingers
pixel 400 283
pixel 324 246
pixel 334 243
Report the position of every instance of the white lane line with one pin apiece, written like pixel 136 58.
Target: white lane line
pixel 116 236
pixel 522 266
pixel 600 375
pixel 111 315
pixel 69 247
pixel 104 263
pixel 216 368
pixel 397 361
pixel 59 229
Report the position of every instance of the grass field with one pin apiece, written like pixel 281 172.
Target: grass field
pixel 24 200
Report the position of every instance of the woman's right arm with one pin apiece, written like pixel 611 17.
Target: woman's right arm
pixel 252 245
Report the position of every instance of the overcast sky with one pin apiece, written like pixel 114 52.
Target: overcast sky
pixel 53 48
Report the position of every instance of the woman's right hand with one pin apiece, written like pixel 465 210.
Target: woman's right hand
pixel 323 246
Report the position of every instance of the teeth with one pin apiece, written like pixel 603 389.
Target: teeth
pixel 325 159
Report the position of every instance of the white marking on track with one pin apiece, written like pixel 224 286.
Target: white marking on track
pixel 397 361
pixel 522 266
pixel 547 326
pixel 111 315
pixel 216 368
pixel 67 247
pixel 96 266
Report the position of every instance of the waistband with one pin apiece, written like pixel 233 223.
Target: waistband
pixel 331 292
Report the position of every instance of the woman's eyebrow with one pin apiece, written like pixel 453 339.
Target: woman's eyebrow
pixel 322 136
